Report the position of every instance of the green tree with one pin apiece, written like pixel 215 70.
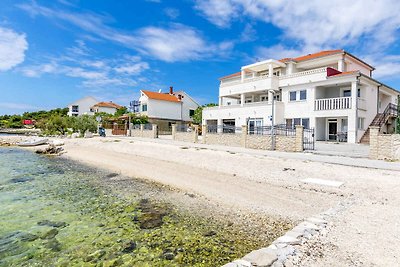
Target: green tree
pixel 56 124
pixel 198 113
pixel 121 112
pixel 83 123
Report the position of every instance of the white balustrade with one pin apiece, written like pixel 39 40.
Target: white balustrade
pixel 333 103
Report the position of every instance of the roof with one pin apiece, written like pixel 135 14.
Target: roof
pixel 107 105
pixel 160 96
pixel 231 75
pixel 319 54
pixel 309 57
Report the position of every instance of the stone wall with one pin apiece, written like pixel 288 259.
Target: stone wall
pixel 258 142
pixel 144 132
pixel 223 139
pixel 282 143
pixel 384 146
pixel 285 143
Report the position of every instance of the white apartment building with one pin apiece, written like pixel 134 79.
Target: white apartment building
pixel 331 91
pixel 82 106
pixel 164 109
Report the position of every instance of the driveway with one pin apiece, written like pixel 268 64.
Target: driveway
pixel 341 149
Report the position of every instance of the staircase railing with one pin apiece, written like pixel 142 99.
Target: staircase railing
pixel 390 110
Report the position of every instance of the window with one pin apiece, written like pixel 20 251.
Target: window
pixel 360 123
pixel 358 92
pixel 75 108
pixel 292 96
pixel 228 103
pixel 303 94
pixel 291 123
pixel 297 121
pixel 248 100
pixel 346 93
pixel 264 98
pixel 191 112
pixel 144 107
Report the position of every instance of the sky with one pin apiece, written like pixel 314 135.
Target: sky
pixel 53 52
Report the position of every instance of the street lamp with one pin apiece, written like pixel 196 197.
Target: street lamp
pixel 272 120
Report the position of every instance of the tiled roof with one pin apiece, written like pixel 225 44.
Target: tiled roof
pixel 308 57
pixel 231 75
pixel 108 105
pixel 319 54
pixel 160 96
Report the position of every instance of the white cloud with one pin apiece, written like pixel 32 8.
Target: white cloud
pixel 219 12
pixel 175 43
pixel 92 71
pixel 38 70
pixel 248 34
pixel 19 106
pixel 133 69
pixel 172 13
pixel 12 48
pixel 178 43
pixel 315 23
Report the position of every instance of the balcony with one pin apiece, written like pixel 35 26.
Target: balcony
pixel 252 84
pixel 336 103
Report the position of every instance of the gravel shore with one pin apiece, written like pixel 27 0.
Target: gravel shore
pixel 363 230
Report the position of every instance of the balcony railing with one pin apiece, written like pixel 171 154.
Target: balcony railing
pixel 333 103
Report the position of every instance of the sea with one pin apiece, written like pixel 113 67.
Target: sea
pixel 56 212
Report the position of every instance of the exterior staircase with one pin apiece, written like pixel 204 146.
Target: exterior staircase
pixel 391 111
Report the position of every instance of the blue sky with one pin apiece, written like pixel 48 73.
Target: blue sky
pixel 53 52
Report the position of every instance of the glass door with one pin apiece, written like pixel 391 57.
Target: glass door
pixel 332 130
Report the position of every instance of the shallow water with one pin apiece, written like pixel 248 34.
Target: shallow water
pixel 53 212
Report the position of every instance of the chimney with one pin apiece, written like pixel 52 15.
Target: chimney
pixel 171 90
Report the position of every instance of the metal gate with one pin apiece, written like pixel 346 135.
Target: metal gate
pixel 309 139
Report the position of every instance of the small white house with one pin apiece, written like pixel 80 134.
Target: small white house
pixel 332 91
pixel 107 107
pixel 82 106
pixel 165 109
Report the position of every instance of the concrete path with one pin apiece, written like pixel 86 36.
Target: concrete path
pixel 344 158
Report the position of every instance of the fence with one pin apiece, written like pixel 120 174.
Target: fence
pixel 223 129
pixel 279 137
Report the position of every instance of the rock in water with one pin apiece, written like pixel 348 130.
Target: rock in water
pixel 49 234
pixel 53 244
pixel 21 179
pixel 169 256
pixel 52 224
pixel 49 150
pixel 128 246
pixel 27 237
pixel 152 215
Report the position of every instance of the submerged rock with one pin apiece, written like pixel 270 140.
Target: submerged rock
pixel 169 256
pixel 95 256
pixel 52 224
pixel 128 246
pixel 53 244
pixel 27 237
pixel 49 234
pixel 21 179
pixel 210 233
pixel 152 215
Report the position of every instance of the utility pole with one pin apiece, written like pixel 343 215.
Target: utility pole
pixel 398 116
pixel 272 120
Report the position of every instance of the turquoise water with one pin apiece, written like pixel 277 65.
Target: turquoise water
pixel 54 212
